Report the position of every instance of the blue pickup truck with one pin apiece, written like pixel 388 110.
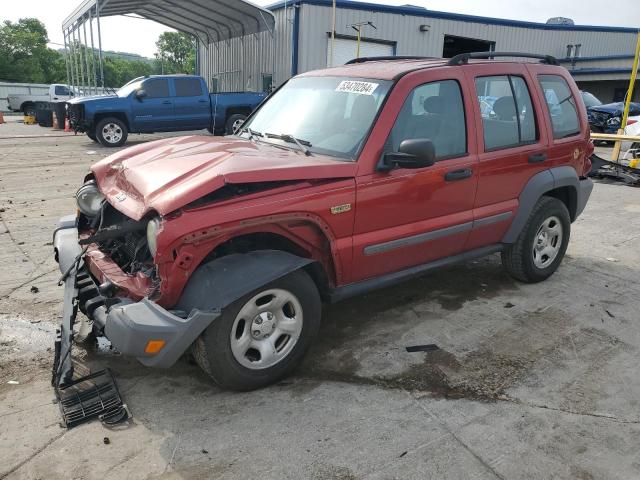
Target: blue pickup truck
pixel 162 103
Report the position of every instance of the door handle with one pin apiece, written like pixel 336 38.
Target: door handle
pixel 537 157
pixel 55 98
pixel 167 102
pixel 458 174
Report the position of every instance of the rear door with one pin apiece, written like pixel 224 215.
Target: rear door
pixel 565 116
pixel 512 143
pixel 192 107
pixel 407 217
pixel 154 112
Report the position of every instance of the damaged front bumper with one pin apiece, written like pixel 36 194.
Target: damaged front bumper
pixel 155 336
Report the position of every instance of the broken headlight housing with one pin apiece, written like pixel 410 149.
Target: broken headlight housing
pixel 89 199
pixel 153 227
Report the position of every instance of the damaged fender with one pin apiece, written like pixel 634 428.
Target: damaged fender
pixel 212 287
pixel 217 284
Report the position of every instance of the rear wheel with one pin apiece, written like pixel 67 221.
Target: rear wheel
pixel 541 246
pixel 262 337
pixel 111 132
pixel 235 122
pixel 29 109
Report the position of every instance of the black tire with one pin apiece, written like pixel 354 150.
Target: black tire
pixel 92 136
pixel 29 109
pixel 116 127
pixel 636 149
pixel 232 120
pixel 518 258
pixel 212 350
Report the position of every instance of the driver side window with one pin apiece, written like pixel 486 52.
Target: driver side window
pixel 156 88
pixel 433 111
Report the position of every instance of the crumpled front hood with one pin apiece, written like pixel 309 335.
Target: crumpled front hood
pixel 167 174
pixel 616 108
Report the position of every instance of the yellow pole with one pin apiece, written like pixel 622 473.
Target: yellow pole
pixel 333 34
pixel 615 155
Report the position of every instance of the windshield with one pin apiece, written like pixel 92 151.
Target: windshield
pixel 129 88
pixel 330 115
pixel 590 100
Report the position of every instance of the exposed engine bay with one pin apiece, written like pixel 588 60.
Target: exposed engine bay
pixel 124 240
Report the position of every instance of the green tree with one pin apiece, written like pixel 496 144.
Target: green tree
pixel 176 53
pixel 24 55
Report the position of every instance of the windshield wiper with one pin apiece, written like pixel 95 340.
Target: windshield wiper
pixel 285 137
pixel 252 133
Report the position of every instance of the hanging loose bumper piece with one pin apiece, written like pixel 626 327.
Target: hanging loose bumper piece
pixel 602 168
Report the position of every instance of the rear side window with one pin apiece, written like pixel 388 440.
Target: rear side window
pixel 433 111
pixel 562 106
pixel 61 90
pixel 508 119
pixel 156 88
pixel 188 87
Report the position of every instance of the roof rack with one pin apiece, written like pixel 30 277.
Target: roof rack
pixel 375 59
pixel 463 58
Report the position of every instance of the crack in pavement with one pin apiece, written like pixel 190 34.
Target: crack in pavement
pixel 32 456
pixel 604 416
pixel 25 409
pixel 15 289
pixel 8 232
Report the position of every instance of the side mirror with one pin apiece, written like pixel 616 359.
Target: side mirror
pixel 140 94
pixel 412 153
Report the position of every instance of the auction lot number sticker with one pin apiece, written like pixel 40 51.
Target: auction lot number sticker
pixel 354 86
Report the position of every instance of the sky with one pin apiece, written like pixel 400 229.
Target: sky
pixel 139 36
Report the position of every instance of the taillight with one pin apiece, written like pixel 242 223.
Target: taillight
pixel 586 166
pixel 631 122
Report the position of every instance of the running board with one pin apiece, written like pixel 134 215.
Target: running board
pixel 358 288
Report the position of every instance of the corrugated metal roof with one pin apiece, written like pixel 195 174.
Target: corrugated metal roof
pixel 423 12
pixel 210 20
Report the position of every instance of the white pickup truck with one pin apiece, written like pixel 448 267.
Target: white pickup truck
pixel 26 102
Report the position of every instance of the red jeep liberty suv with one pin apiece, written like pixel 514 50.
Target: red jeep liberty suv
pixel 344 180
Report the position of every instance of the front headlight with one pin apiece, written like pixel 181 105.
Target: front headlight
pixel 89 199
pixel 152 235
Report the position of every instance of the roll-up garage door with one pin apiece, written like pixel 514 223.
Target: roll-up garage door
pixel 345 50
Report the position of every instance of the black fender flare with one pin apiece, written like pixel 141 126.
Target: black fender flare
pixel 217 284
pixel 537 186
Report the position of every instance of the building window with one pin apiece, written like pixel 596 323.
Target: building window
pixel 267 82
pixel 562 106
pixel 454 45
pixel 508 119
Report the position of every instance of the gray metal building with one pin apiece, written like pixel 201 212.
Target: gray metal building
pixel 599 57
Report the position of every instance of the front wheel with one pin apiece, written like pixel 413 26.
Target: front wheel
pixel 262 337
pixel 111 132
pixel 541 245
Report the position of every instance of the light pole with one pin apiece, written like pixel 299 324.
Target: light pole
pixel 358 28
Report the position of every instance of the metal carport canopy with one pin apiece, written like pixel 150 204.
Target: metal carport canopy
pixel 210 20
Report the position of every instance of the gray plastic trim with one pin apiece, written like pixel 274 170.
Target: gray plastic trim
pixel 415 239
pixel 219 283
pixel 540 184
pixel 131 326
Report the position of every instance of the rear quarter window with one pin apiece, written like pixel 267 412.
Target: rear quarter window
pixel 561 106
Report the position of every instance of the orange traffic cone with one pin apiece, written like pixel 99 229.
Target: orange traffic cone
pixel 55 125
pixel 1 118
pixel 67 125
